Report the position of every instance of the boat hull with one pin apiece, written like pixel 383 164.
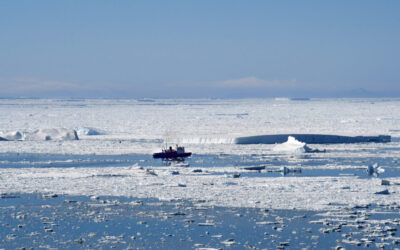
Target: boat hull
pixel 171 155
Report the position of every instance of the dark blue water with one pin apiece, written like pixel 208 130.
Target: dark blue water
pixel 311 165
pixel 113 222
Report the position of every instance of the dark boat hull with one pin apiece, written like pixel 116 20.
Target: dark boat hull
pixel 171 155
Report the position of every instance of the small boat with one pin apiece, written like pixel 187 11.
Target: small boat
pixel 256 168
pixel 172 153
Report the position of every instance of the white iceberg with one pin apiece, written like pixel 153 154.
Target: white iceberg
pixel 88 131
pixel 51 134
pixel 12 136
pixel 293 146
pixel 41 135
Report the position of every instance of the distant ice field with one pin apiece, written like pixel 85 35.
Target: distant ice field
pixel 117 137
pixel 203 126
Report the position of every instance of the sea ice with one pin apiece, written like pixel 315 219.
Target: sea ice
pixel 308 193
pixel 142 127
pixel 131 127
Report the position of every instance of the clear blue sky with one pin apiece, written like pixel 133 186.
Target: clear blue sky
pixel 199 48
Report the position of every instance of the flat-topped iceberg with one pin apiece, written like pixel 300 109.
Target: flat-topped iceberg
pixel 294 146
pixel 311 139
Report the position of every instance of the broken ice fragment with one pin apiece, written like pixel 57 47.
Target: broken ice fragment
pixel 385 192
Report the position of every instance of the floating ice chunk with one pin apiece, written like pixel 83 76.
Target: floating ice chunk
pixel 46 196
pixel 51 134
pixel 286 170
pixel 151 172
pixel 385 192
pixel 87 131
pixel 228 242
pixel 206 224
pixel 375 169
pixel 180 164
pixel 12 136
pixel 293 146
pixel 94 197
pixel 256 168
pixel 354 242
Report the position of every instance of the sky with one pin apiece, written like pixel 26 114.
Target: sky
pixel 199 49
